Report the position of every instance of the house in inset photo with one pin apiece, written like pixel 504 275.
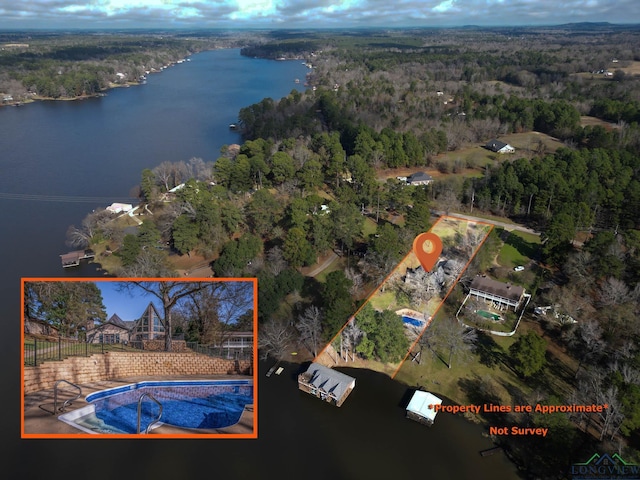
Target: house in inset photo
pixel 114 330
pixel 499 147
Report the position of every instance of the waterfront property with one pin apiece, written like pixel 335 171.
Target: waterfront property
pixel 72 259
pixel 500 295
pixel 327 384
pixel 421 407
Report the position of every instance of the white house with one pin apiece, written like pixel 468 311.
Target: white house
pixel 119 207
pixel 499 147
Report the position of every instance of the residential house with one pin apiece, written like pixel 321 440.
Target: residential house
pixel 150 326
pixel 499 147
pixel 114 330
pixel 40 327
pixel 419 178
pixel 327 384
pixel 500 295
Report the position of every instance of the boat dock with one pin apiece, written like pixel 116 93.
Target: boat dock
pixel 72 259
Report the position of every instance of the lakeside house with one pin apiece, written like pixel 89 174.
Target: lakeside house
pixel 500 295
pixel 327 384
pixel 119 207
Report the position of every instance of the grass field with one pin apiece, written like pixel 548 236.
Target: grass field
pixel 519 249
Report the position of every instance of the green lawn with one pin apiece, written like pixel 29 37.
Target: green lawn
pixel 519 248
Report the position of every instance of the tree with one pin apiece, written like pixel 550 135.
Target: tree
pixel 214 313
pixel 528 353
pixel 337 301
pixel 453 337
pixel 170 293
pixel 184 234
pixel 72 307
pixel 310 327
pixel 274 339
pixel 297 250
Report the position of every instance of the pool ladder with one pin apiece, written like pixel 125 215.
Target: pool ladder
pixel 146 430
pixel 67 402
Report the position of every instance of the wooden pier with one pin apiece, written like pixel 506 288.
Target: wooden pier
pixel 72 259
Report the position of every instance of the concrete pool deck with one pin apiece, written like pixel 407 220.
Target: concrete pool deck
pixel 40 422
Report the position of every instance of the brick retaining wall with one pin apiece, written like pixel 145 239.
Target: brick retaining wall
pixel 114 365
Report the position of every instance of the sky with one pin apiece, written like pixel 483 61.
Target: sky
pixel 273 14
pixel 129 305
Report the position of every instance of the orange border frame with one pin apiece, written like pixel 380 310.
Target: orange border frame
pixel 204 436
pixel 374 291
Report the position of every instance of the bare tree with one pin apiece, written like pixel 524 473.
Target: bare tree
pixel 274 339
pixel 614 292
pixel 310 327
pixel 169 293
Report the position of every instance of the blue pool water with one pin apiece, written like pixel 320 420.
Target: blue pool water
pixel 198 405
pixel 413 321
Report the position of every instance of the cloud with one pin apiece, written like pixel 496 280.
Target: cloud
pixel 309 13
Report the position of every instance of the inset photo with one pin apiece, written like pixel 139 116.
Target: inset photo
pixel 139 358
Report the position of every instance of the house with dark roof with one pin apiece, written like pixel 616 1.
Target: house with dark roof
pixel 114 330
pixel 500 295
pixel 499 147
pixel 149 326
pixel 327 384
pixel 419 178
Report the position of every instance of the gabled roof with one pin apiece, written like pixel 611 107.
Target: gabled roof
pixel 117 321
pixel 494 287
pixel 329 380
pixel 495 145
pixel 419 177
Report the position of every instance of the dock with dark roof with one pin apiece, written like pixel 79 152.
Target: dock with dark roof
pixel 72 259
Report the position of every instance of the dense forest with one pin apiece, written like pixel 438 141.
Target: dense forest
pixel 308 182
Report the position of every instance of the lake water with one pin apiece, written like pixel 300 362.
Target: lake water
pixel 60 160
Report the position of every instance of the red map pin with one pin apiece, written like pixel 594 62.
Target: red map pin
pixel 427 247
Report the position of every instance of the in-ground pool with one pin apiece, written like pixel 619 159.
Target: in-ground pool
pixel 491 316
pixel 202 404
pixel 412 321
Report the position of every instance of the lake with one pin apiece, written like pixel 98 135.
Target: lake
pixel 60 160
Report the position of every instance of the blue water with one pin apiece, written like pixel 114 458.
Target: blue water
pixel 412 321
pixel 63 151
pixel 213 411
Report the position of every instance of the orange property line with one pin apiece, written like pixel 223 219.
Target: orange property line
pixel 393 271
pixel 445 298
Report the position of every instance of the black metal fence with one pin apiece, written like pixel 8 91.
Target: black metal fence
pixel 38 351
pixel 229 353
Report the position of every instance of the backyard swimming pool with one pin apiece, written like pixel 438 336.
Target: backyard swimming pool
pixel 412 321
pixel 204 404
pixel 491 316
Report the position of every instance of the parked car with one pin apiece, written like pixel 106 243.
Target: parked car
pixel 519 268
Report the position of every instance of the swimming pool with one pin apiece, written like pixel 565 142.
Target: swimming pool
pixel 412 321
pixel 202 404
pixel 491 316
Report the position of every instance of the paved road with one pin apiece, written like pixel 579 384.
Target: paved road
pixel 506 226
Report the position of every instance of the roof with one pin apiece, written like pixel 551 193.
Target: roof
pixel 419 177
pixel 117 321
pixel 495 145
pixel 494 287
pixel 329 380
pixel 422 404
